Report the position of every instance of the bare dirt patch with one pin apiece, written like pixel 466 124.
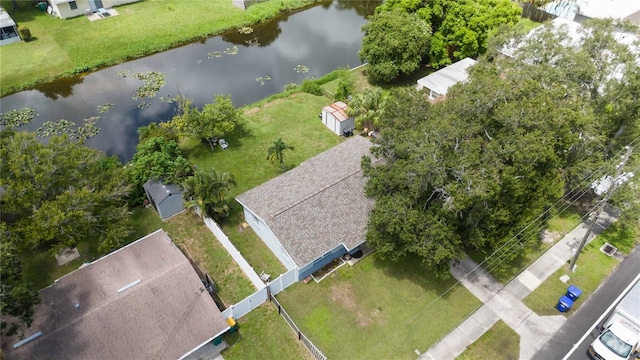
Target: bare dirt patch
pixel 343 295
pixel 255 110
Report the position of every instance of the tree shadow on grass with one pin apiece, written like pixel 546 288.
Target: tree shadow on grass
pixel 412 269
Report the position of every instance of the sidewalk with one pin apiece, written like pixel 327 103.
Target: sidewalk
pixel 504 303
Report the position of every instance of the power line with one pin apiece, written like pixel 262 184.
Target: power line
pixel 584 186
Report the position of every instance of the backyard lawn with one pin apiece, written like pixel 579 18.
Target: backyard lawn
pixel 377 309
pixel 295 120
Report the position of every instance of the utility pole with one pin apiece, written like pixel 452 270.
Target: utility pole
pixel 612 186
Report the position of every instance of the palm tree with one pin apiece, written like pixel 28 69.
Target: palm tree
pixel 206 190
pixel 276 150
pixel 367 107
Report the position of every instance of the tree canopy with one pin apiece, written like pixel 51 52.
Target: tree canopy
pixel 17 297
pixel 214 121
pixel 460 28
pixel 467 173
pixel 59 193
pixel 394 44
pixel 156 159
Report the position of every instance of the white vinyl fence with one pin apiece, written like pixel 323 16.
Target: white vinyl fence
pixel 235 254
pixel 247 304
pixel 283 281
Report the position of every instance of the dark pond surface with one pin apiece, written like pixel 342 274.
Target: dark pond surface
pixel 321 38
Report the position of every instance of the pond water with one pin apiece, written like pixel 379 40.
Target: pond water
pixel 249 67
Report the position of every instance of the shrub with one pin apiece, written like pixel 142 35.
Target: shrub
pixel 25 33
pixel 311 87
pixel 290 86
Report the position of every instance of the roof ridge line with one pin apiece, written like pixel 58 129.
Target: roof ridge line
pixel 349 175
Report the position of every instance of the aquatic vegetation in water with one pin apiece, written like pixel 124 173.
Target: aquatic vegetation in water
pixel 214 54
pixel 301 69
pixel 262 79
pixel 245 30
pixel 232 51
pixel 105 108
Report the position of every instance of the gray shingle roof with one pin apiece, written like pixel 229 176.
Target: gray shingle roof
pixel 164 316
pixel 318 205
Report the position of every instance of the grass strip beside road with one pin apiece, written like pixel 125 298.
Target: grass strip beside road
pixel 498 343
pixel 593 267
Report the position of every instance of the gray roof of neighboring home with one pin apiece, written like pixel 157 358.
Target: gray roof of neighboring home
pixel 441 80
pixel 88 314
pixel 318 205
pixel 161 193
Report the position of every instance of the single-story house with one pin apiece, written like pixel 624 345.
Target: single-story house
pixel 8 29
pixel 438 83
pixel 335 117
pixel 143 301
pixel 166 199
pixel 71 8
pixel 316 212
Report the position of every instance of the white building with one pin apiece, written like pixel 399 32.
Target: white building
pixel 8 29
pixel 438 83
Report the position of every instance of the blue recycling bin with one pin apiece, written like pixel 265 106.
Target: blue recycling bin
pixel 564 304
pixel 573 293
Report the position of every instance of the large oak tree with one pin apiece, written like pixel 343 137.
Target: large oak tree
pixel 468 173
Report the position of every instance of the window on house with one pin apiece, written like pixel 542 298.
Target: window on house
pixel 256 220
pixel 73 5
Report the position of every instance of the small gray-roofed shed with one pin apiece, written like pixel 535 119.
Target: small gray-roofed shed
pixel 441 80
pixel 318 205
pixel 87 315
pixel 166 199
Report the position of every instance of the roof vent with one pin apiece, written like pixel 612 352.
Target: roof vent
pixel 128 286
pixel 24 341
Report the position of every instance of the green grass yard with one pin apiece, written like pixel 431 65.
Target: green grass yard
pixel 295 120
pixel 377 309
pixel 498 343
pixel 592 268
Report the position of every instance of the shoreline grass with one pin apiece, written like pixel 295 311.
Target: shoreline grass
pixel 64 48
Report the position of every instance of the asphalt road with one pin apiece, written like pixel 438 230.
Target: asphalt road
pixel 582 320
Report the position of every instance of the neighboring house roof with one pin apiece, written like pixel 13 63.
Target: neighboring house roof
pixel 441 80
pixel 338 110
pixel 143 301
pixel 594 9
pixel 167 199
pixel 574 38
pixel 5 19
pixel 318 205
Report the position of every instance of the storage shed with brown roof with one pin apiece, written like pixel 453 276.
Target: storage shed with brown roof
pixel 335 117
pixel 316 212
pixel 143 301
